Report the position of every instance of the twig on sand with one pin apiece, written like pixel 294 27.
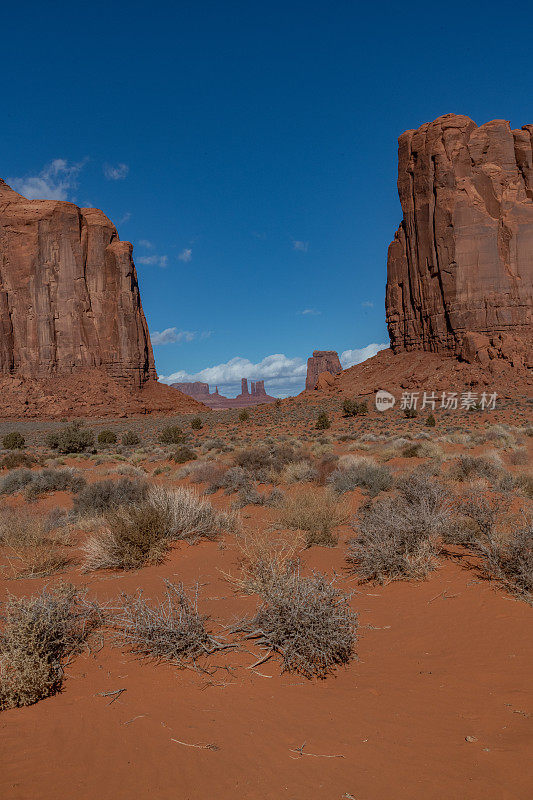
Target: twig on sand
pixel 115 694
pixel 199 746
pixel 129 721
pixel 300 750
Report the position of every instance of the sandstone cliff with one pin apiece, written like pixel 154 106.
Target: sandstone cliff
pixel 460 268
pixel 70 306
pixel 321 361
pixel 69 297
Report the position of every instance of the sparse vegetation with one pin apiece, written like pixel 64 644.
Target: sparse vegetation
pixel 73 438
pixel 183 454
pixel 99 497
pixel 323 421
pixel 397 536
pixel 197 424
pixel 13 441
pixel 317 513
pixel 107 437
pixel 354 408
pixel 134 535
pixel 34 546
pixel 41 481
pixel 244 416
pixel 172 630
pixel 131 439
pixel 38 635
pixel 308 621
pixel 361 472
pixel 171 434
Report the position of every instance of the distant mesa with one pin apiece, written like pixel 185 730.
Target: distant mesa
pixel 321 362
pixel 200 391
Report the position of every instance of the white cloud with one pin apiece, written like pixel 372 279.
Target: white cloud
pixel 125 218
pixel 303 247
pixel 173 335
pixel 53 182
pixel 185 255
pixel 283 376
pixel 152 261
pixel 310 312
pixel 146 244
pixel 351 357
pixel 367 304
pixel 117 173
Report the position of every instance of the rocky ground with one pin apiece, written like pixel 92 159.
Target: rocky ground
pixel 433 698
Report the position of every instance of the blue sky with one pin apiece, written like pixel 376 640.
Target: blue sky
pixel 248 150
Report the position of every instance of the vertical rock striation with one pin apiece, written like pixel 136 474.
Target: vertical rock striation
pixel 69 297
pixel 460 268
pixel 321 361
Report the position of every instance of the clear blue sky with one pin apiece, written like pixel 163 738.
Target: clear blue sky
pixel 248 150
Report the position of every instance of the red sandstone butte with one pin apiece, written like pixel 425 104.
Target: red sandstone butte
pixel 460 268
pixel 70 306
pixel 321 361
pixel 253 397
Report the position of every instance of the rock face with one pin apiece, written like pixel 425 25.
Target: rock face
pixel 321 361
pixel 253 397
pixel 460 268
pixel 69 297
pixel 73 336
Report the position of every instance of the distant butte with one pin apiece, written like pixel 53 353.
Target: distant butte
pixel 200 392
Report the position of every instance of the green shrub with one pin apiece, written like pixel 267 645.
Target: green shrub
pixel 353 408
pixel 197 424
pixel 431 421
pixel 73 438
pixel 410 413
pixel 13 441
pixel 15 460
pixel 172 434
pixel 244 415
pixel 130 439
pixel 107 437
pixel 323 422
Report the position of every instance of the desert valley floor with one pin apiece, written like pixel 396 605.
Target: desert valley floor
pixel 436 701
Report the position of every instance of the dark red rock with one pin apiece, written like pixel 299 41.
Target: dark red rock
pixel 200 391
pixel 70 306
pixel 460 265
pixel 321 361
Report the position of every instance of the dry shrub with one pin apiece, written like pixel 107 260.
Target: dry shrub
pixel 360 472
pixel 16 459
pixel 34 545
pixel 298 472
pixel 38 636
pixel 506 556
pixel 315 512
pixel 41 481
pixel 487 467
pixel 265 559
pixel 101 496
pixel 397 536
pixel 267 460
pixel 307 621
pixel 139 534
pixel 209 472
pixel 172 630
pixel 519 456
